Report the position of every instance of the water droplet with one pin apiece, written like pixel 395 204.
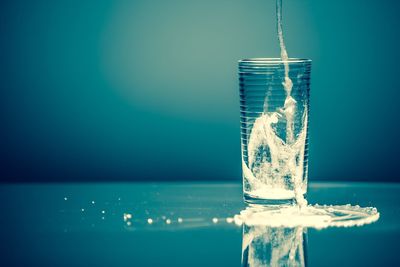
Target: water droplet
pixel 237 220
pixel 127 216
pixel 229 220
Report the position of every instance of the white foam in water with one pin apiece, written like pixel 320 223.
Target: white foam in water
pixel 267 180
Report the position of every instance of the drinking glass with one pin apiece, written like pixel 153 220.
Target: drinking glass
pixel 274 129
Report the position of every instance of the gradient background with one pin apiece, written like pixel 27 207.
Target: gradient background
pixel 147 90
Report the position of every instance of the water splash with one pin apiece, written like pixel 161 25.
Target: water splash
pixel 314 216
pixel 267 177
pixel 280 174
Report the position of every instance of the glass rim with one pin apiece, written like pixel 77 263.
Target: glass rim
pixel 271 61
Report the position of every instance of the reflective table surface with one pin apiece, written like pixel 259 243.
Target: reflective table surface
pixel 177 224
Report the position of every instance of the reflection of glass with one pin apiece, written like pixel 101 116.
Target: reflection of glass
pixel 273 246
pixel 274 117
pixel 275 235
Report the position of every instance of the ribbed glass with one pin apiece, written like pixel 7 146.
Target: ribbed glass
pixel 274 128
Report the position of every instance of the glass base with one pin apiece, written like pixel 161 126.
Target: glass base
pixel 267 202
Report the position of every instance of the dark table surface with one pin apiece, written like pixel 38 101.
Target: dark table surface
pixel 107 224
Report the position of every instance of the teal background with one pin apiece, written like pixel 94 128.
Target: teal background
pixel 147 90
